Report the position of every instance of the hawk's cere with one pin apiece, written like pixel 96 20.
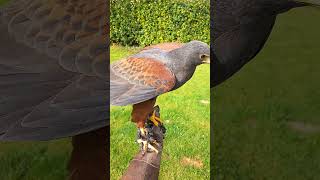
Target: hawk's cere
pixel 53 77
pixel 240 29
pixel 158 69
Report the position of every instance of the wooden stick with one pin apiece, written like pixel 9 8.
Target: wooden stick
pixel 147 166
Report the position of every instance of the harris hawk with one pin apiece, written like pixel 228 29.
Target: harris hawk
pixel 139 79
pixel 239 30
pixel 54 78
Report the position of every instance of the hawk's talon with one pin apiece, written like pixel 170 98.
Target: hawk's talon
pixel 154 119
pixel 146 140
pixel 146 137
pixel 142 131
pixel 146 146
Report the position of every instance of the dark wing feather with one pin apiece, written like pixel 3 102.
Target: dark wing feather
pixel 68 30
pixel 54 81
pixel 135 80
pixel 239 31
pixel 236 47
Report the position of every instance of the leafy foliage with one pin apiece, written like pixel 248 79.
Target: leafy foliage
pixel 3 2
pixel 145 22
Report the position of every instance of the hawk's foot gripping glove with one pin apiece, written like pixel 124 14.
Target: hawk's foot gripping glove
pixel 149 136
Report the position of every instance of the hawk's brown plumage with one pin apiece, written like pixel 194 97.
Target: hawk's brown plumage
pixel 145 72
pixel 144 75
pixel 140 78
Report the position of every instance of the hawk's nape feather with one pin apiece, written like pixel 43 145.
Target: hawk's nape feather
pixel 54 78
pixel 134 80
pixel 165 46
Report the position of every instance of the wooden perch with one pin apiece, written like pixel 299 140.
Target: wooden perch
pixel 147 166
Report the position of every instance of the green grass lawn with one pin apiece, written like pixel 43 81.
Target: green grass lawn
pixel 186 114
pixel 266 117
pixel 34 160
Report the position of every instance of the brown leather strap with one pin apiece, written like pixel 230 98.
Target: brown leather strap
pixel 90 156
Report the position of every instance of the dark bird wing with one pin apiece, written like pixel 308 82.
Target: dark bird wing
pixel 135 80
pixel 53 68
pixel 233 49
pixel 238 35
pixel 240 28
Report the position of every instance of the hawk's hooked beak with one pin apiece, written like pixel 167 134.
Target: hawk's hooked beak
pixel 311 2
pixel 205 59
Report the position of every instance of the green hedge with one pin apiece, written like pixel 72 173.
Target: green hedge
pixel 145 22
pixel 2 2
